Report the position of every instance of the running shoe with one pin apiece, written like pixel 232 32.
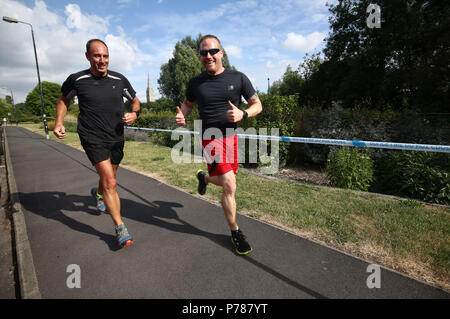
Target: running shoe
pixel 201 182
pixel 99 199
pixel 239 240
pixel 123 237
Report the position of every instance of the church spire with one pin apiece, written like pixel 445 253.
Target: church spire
pixel 150 93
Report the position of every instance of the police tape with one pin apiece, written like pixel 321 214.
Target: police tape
pixel 334 142
pixel 323 141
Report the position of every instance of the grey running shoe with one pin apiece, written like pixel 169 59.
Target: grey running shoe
pixel 123 237
pixel 99 199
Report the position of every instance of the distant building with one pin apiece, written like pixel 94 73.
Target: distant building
pixel 150 93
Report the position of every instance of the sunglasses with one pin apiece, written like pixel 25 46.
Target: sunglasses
pixel 211 51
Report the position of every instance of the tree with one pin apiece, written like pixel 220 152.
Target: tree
pixel 310 65
pixel 161 104
pixel 8 99
pixel 21 113
pixel 5 108
pixel 289 84
pixel 185 64
pixel 294 81
pixel 51 93
pixel 403 63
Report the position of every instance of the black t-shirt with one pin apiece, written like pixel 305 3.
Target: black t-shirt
pixel 212 93
pixel 101 104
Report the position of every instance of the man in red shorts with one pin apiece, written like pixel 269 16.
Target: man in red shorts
pixel 217 92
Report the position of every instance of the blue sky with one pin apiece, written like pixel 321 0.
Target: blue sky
pixel 261 37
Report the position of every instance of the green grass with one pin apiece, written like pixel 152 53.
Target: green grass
pixel 402 234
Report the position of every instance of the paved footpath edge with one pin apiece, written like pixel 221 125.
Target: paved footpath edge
pixel 29 288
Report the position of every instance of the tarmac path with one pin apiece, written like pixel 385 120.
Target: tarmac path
pixel 182 246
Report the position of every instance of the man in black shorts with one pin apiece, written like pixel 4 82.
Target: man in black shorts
pixel 100 124
pixel 217 92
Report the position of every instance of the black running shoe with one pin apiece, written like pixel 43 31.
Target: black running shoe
pixel 201 182
pixel 241 245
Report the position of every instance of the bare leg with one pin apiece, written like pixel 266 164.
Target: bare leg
pixel 100 186
pixel 228 183
pixel 108 189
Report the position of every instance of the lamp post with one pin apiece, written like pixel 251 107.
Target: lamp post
pixel 268 85
pixel 12 20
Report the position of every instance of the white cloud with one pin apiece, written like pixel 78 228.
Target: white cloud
pixel 60 44
pixel 261 34
pixel 266 24
pixel 73 16
pixel 234 51
pixel 124 52
pixel 298 42
pixel 81 22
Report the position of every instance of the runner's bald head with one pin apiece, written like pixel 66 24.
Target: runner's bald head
pixel 88 44
pixel 210 36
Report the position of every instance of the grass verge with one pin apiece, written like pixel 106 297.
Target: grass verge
pixel 404 235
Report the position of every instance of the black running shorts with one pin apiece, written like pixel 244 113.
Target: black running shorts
pixel 101 151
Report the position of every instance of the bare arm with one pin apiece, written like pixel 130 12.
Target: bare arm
pixel 135 105
pixel 255 105
pixel 61 109
pixel 187 107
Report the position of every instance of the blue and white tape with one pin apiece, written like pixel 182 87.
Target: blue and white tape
pixel 355 143
pixel 323 141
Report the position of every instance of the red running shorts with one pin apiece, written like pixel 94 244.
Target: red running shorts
pixel 221 155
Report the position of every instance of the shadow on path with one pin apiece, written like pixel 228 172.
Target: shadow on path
pixel 52 205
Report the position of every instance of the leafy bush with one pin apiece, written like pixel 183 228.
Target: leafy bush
pixel 350 168
pixel 158 120
pixel 69 126
pixel 361 123
pixel 338 123
pixel 419 175
pixel 278 112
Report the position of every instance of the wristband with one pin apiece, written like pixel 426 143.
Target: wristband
pixel 245 114
pixel 137 113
